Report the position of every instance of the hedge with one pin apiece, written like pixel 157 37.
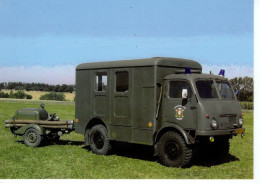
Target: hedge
pixel 247 105
pixel 53 96
pixel 20 95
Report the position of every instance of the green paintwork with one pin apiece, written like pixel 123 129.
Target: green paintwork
pixel 126 114
pixel 23 129
pixel 31 114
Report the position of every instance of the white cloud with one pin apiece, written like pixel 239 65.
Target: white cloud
pixel 59 74
pixel 65 74
pixel 231 71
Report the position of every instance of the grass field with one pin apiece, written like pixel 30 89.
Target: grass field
pixel 37 94
pixel 70 159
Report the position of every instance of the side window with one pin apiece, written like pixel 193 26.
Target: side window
pixel 122 81
pixel 101 81
pixel 176 89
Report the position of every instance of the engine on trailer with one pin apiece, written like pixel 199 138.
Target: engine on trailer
pixel 31 114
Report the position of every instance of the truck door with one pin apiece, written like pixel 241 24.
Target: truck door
pixel 121 118
pixel 176 109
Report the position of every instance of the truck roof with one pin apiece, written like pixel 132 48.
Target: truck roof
pixel 155 61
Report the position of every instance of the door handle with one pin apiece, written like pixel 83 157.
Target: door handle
pixel 192 107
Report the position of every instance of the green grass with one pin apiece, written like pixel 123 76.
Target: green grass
pixel 69 159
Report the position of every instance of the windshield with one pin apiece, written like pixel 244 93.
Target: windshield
pixel 224 89
pixel 206 89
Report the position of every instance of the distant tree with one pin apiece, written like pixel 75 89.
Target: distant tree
pixel 4 95
pixel 63 88
pixel 50 88
pixel 245 86
pixel 70 89
pixel 56 88
pixel 10 85
pixel 2 86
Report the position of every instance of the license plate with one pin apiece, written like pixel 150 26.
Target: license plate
pixel 240 130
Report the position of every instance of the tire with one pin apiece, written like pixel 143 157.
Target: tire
pixel 98 139
pixel 173 151
pixel 32 137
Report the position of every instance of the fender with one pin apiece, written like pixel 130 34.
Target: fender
pixel 177 128
pixel 23 129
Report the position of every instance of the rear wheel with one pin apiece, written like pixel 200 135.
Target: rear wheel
pixel 99 142
pixel 173 151
pixel 32 137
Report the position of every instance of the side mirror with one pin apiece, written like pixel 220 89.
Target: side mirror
pixel 184 93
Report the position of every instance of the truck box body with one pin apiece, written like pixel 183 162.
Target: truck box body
pixel 124 95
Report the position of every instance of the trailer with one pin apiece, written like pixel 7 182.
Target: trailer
pixel 37 126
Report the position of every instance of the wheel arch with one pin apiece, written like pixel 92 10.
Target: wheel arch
pixel 174 128
pixel 91 123
pixel 23 129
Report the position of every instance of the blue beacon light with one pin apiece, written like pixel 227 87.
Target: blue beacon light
pixel 222 72
pixel 187 70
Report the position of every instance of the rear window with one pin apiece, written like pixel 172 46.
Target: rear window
pixel 206 89
pixel 101 81
pixel 122 81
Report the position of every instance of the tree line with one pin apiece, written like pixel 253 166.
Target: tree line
pixel 37 87
pixel 245 86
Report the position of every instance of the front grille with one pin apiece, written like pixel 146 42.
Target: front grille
pixel 227 121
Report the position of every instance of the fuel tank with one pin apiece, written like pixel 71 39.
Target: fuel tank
pixel 31 114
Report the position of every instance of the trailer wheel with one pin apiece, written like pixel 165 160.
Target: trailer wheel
pixel 173 151
pixel 99 142
pixel 32 137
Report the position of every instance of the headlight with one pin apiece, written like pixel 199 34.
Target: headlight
pixel 240 121
pixel 214 124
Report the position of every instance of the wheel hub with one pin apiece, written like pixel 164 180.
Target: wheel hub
pixel 172 150
pixel 32 137
pixel 98 140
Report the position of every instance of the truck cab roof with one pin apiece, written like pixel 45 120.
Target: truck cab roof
pixel 195 76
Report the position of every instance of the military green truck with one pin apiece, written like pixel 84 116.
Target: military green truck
pixel 162 102
pixel 166 103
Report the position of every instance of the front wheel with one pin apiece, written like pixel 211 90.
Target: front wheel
pixel 32 137
pixel 173 151
pixel 99 142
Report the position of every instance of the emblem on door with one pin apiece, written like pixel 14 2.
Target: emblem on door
pixel 179 112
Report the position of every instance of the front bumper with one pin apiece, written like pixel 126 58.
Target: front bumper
pixel 220 132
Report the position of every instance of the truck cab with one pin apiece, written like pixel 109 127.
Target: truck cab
pixel 202 104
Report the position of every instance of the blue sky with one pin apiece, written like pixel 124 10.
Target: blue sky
pixel 61 34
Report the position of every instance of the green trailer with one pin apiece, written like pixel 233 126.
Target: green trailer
pixel 37 126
